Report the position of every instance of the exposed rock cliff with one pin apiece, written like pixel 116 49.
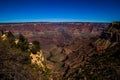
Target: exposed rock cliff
pixel 92 59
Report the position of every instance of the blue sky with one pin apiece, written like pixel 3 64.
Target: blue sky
pixel 59 10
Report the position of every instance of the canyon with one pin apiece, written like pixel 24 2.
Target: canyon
pixel 72 49
pixel 54 35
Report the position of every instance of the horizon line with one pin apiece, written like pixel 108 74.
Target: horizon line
pixel 57 22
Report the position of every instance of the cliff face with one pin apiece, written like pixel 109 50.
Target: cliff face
pixel 109 37
pixel 95 59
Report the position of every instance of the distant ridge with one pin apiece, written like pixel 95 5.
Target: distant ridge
pixel 48 22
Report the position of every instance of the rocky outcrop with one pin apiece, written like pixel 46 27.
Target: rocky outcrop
pixel 81 54
pixel 109 36
pixel 38 59
pixel 16 60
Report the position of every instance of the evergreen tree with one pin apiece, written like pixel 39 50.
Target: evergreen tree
pixel 35 47
pixel 23 43
pixel 10 38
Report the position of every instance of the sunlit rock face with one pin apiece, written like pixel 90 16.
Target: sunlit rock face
pixel 38 58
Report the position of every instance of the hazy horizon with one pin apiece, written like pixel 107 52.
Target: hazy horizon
pixel 58 21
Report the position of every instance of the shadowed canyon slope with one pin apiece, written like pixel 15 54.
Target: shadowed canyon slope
pixel 96 59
